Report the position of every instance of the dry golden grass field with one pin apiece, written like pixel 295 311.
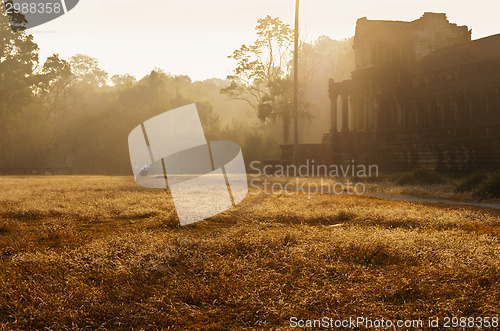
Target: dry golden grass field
pixel 102 253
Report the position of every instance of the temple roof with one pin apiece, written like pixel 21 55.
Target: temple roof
pixel 389 30
pixel 478 50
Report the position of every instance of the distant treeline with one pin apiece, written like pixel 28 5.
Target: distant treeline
pixel 70 113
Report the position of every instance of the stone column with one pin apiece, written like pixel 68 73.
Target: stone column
pixel 440 111
pixel 452 112
pixel 483 106
pixel 416 116
pixel 333 113
pixel 345 112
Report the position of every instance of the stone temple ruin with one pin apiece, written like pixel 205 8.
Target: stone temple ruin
pixel 423 94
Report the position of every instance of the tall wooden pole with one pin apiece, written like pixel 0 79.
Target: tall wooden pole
pixel 296 86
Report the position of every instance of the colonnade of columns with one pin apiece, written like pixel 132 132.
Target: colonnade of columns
pixel 357 112
pixel 344 112
pixel 352 113
pixel 455 110
pixel 348 111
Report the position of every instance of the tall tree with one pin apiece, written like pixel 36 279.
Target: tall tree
pixel 18 58
pixel 56 80
pixel 86 70
pixel 125 80
pixel 262 76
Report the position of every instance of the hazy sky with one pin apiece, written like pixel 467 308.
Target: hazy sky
pixel 194 37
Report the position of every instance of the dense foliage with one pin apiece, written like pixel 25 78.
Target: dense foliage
pixel 70 113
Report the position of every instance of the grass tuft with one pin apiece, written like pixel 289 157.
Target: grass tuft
pixel 489 188
pixel 471 182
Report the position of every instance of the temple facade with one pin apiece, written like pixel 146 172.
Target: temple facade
pixel 423 94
